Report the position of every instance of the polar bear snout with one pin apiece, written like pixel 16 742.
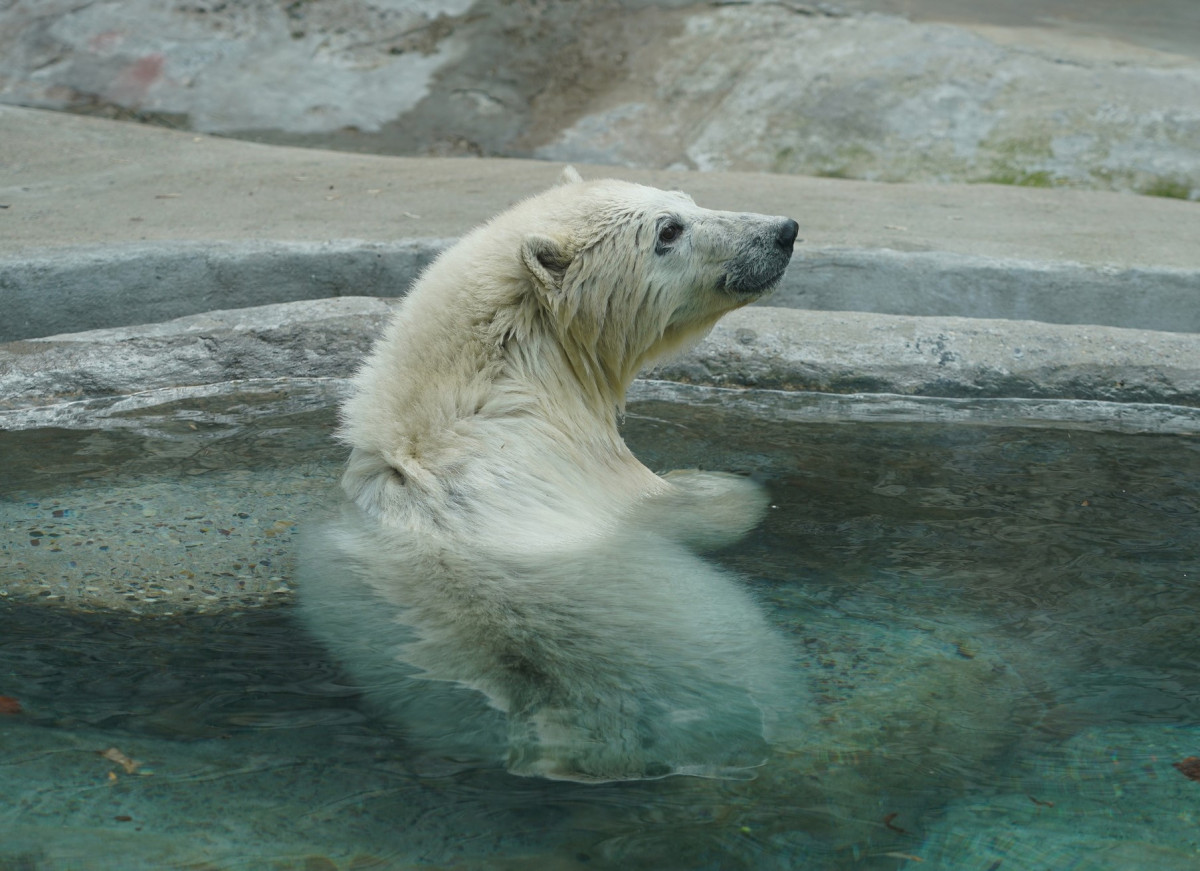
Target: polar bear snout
pixel 761 258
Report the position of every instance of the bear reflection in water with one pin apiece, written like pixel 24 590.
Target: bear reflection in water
pixel 507 581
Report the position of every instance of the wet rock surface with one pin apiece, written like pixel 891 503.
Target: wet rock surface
pixel 759 347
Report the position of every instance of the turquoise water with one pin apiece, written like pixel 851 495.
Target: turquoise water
pixel 995 607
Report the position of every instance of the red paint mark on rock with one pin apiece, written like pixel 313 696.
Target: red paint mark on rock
pixel 105 42
pixel 135 81
pixel 147 71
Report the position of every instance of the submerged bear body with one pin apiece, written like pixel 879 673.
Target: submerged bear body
pixel 507 580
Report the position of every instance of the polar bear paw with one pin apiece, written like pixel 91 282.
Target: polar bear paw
pixel 705 510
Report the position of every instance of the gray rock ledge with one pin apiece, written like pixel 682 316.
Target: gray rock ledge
pixel 760 347
pixel 95 286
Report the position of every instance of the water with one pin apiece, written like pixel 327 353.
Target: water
pixel 994 603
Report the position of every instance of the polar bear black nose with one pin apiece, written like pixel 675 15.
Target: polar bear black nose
pixel 786 236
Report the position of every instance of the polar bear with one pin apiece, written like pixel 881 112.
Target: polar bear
pixel 506 579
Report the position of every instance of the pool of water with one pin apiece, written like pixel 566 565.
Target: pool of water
pixel 994 606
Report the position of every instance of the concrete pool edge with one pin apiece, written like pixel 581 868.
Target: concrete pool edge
pixel 83 287
pixel 756 347
pixel 122 224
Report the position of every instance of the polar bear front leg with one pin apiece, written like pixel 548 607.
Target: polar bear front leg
pixel 705 510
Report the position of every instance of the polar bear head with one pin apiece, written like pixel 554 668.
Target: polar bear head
pixel 622 273
pixel 547 312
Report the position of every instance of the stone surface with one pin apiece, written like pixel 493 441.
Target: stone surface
pixel 1165 25
pixel 229 66
pixel 761 86
pixel 942 284
pixel 854 352
pixel 312 339
pixel 877 97
pixel 774 348
pixel 144 282
pixel 123 224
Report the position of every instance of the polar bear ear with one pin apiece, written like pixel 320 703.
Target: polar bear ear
pixel 570 175
pixel 546 260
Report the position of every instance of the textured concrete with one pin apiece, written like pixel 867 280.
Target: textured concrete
pixel 773 348
pixel 323 338
pixel 852 352
pixel 121 223
pixel 938 283
pixel 97 286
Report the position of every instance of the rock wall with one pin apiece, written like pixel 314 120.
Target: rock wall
pixel 773 87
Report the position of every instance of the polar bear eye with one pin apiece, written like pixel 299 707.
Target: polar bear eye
pixel 669 232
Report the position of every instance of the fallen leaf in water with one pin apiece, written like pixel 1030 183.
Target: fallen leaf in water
pixel 1189 768
pixel 9 705
pixel 112 754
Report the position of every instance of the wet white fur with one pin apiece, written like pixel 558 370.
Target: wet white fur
pixel 500 535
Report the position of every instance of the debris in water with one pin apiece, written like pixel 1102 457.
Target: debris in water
pixel 1189 767
pixel 112 754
